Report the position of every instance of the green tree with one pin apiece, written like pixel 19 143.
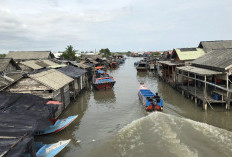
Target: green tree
pixel 155 54
pixel 2 55
pixel 69 53
pixel 105 52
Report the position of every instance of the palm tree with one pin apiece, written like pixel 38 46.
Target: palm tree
pixel 69 53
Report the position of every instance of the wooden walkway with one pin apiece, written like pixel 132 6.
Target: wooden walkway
pixel 199 94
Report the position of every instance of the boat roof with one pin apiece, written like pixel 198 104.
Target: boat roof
pixel 146 93
pixel 100 71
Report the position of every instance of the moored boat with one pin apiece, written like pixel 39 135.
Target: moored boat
pixel 59 125
pixel 50 150
pixel 141 67
pixel 102 80
pixel 151 101
pixel 113 65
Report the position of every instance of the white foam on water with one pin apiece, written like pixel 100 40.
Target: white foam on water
pixel 159 130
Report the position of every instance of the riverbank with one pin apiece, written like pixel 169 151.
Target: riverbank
pixel 104 114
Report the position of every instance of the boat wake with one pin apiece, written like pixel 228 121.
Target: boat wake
pixel 160 134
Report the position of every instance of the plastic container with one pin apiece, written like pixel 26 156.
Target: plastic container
pixel 216 96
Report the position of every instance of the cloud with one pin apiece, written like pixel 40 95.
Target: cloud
pixel 116 24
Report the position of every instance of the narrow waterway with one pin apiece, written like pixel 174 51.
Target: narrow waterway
pixel 114 123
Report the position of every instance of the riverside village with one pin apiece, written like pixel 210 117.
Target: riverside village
pixel 38 86
pixel 115 78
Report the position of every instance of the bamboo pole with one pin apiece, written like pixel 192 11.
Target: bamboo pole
pixel 12 146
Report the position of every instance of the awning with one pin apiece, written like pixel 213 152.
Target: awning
pixel 199 71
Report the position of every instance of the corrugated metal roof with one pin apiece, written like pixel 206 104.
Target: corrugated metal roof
pixel 83 66
pixel 208 46
pixel 199 71
pixel 57 66
pixel 50 63
pixel 38 64
pixel 4 62
pixel 30 55
pixel 189 53
pixel 32 64
pixel 52 78
pixel 217 60
pixel 170 63
pixel 72 71
pixel 9 78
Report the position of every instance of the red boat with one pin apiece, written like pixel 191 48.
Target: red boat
pixel 102 80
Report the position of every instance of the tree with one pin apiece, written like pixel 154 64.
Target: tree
pixel 155 54
pixel 128 53
pixel 69 53
pixel 2 55
pixel 105 52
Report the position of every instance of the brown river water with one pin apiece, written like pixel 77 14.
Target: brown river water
pixel 114 123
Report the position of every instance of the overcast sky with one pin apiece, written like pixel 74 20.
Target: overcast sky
pixel 120 25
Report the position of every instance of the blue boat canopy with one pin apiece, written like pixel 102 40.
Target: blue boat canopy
pixel 146 93
pixel 100 72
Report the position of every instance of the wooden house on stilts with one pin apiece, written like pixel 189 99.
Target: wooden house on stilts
pixel 48 83
pixel 209 79
pixel 180 57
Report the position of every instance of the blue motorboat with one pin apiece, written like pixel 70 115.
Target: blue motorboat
pixel 59 125
pixel 151 101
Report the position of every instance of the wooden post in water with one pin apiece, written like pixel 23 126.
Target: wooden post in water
pixel 188 86
pixel 176 77
pixel 182 78
pixel 173 76
pixel 228 95
pixel 164 71
pixel 227 85
pixel 168 75
pixel 182 82
pixel 228 101
pixel 205 97
pixel 195 88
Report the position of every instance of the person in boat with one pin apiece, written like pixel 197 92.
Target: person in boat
pixel 98 74
pixel 157 98
pixel 151 107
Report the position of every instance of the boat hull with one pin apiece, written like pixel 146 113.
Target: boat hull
pixel 142 70
pixel 58 126
pixel 51 150
pixel 104 85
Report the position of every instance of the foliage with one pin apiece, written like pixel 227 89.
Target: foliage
pixel 155 54
pixel 105 52
pixel 128 53
pixel 69 53
pixel 2 55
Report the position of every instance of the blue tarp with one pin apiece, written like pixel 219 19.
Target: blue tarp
pixel 160 103
pixel 100 72
pixel 146 93
pixel 104 80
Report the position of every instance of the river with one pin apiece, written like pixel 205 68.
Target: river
pixel 114 123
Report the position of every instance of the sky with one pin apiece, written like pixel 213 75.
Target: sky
pixel 120 25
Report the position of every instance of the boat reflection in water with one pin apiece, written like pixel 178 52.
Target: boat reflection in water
pixel 103 96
